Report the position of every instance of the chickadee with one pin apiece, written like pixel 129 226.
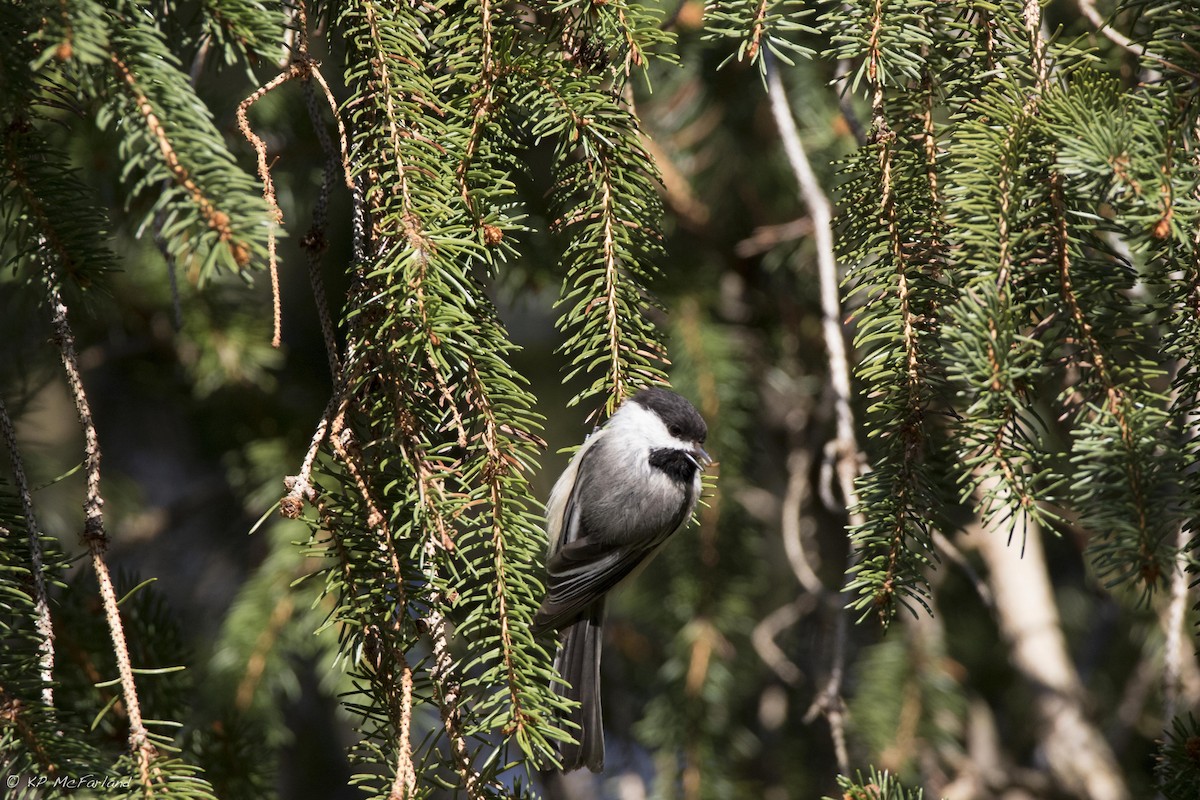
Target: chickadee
pixel 633 483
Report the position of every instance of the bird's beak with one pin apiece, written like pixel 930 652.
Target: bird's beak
pixel 701 458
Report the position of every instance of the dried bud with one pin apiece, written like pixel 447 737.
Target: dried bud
pixel 291 506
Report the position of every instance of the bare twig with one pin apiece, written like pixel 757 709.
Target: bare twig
pixel 95 537
pixel 951 551
pixel 37 561
pixel 1088 9
pixel 301 67
pixel 790 523
pixel 343 140
pixel 293 70
pixel 1105 28
pixel 763 638
pixel 848 458
pixel 765 237
pixel 315 241
pixel 299 486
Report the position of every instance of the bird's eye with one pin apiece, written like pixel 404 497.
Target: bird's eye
pixel 674 430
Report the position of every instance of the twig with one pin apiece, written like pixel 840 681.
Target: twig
pixel 315 241
pixel 1088 9
pixel 404 785
pixel 789 523
pixel 299 486
pixel 766 237
pixel 828 701
pixel 951 551
pixel 446 688
pixel 831 306
pixel 343 140
pixel 1104 28
pixel 94 535
pixel 294 70
pixel 848 460
pixel 763 638
pixel 44 624
pixel 306 67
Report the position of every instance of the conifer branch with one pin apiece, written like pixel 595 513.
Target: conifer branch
pixel 499 463
pixel 1117 400
pixel 37 561
pixel 218 220
pixel 281 614
pixel 910 421
pixel 612 220
pixel 482 104
pixel 395 129
pixel 756 30
pixel 994 443
pixel 1031 14
pixel 618 388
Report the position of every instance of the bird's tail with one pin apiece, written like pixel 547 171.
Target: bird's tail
pixel 578 662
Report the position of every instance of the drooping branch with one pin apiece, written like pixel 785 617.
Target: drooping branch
pixel 217 219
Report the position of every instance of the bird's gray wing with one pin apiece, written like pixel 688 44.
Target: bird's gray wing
pixel 586 564
pixel 581 573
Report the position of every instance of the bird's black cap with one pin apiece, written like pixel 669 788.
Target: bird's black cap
pixel 680 416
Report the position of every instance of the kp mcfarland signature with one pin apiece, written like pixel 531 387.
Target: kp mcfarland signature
pixel 69 782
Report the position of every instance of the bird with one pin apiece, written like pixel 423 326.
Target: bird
pixel 633 483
